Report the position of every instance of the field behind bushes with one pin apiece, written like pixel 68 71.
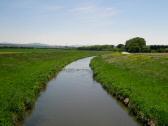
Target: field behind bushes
pixel 23 72
pixel 143 78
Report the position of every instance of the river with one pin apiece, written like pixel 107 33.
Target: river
pixel 74 98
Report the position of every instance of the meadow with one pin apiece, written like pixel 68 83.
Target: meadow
pixel 142 79
pixel 24 72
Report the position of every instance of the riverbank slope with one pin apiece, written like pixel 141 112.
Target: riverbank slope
pixel 139 81
pixel 24 72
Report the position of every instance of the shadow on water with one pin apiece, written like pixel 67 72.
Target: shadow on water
pixel 74 98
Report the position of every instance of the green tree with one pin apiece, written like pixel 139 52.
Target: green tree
pixel 135 45
pixel 120 47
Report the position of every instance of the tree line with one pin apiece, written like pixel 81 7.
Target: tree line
pixel 134 45
pixel 98 47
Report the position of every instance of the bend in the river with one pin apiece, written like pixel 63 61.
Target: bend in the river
pixel 74 98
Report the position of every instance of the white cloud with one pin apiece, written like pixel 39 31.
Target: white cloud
pixel 34 5
pixel 94 11
pixel 107 12
pixel 53 8
pixel 85 9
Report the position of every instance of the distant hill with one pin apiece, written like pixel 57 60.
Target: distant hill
pixel 30 45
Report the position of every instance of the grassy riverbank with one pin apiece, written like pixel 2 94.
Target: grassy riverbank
pixel 140 77
pixel 23 72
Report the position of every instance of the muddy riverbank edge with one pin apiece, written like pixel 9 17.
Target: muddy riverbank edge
pixel 125 100
pixel 19 117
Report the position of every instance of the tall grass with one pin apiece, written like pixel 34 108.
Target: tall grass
pixel 140 77
pixel 22 75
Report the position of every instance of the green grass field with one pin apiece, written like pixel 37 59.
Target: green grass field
pixel 143 78
pixel 23 72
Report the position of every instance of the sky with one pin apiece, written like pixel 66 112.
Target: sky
pixel 83 22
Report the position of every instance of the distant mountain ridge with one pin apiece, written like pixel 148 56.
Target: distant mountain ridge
pixel 30 45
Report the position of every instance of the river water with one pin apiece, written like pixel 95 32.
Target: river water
pixel 74 98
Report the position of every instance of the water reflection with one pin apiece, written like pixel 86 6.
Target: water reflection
pixel 73 98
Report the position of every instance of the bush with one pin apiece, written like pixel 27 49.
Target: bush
pixel 121 47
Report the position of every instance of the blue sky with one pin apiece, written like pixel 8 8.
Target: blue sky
pixel 83 22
